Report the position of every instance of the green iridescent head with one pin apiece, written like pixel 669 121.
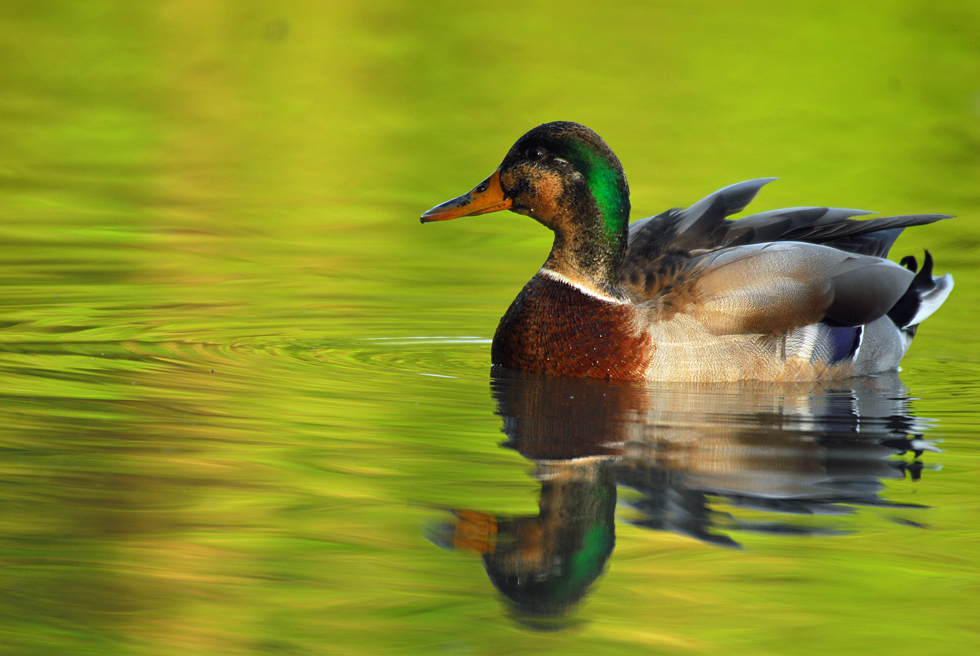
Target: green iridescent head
pixel 566 177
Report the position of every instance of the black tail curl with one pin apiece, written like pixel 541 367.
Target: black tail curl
pixel 903 312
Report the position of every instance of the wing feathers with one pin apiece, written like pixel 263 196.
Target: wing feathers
pixel 724 202
pixel 776 271
pixel 867 292
pixel 702 226
pixel 774 288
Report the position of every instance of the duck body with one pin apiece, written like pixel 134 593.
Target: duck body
pixel 557 327
pixel 688 295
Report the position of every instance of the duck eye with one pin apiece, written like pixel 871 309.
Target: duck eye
pixel 536 154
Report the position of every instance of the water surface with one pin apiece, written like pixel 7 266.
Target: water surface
pixel 246 398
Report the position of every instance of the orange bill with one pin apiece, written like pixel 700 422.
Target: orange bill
pixel 475 531
pixel 487 197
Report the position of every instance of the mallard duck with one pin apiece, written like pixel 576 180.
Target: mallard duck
pixel 793 294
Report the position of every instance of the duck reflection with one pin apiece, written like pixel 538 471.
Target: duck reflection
pixel 783 449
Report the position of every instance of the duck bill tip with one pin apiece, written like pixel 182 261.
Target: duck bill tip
pixel 486 197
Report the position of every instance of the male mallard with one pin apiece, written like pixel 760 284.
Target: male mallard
pixel 790 294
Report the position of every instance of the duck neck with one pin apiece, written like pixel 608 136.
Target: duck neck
pixel 589 256
pixel 590 240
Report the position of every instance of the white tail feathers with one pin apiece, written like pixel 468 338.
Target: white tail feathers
pixel 930 301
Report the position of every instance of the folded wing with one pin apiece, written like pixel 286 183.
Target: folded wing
pixel 771 272
pixel 777 287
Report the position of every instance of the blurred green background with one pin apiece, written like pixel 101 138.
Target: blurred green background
pixel 236 374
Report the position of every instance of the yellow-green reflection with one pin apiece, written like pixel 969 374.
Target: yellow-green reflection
pixel 792 449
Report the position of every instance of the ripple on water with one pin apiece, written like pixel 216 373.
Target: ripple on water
pixel 438 356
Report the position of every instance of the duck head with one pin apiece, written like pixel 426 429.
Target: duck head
pixel 564 176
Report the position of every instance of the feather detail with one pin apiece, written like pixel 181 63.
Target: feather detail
pixel 923 296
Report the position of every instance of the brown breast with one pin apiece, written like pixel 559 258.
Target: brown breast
pixel 555 328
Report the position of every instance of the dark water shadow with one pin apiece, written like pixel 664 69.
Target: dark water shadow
pixel 673 453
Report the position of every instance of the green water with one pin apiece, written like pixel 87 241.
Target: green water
pixel 243 392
